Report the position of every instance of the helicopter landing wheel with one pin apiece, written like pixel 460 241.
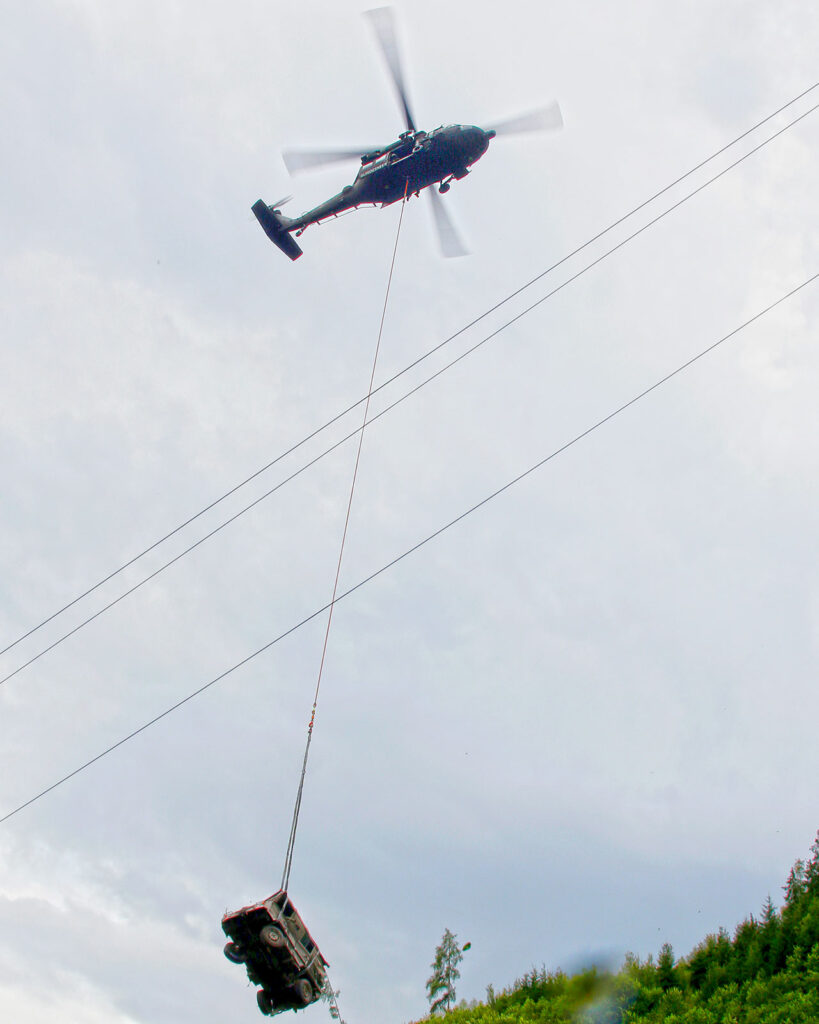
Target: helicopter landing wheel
pixel 444 187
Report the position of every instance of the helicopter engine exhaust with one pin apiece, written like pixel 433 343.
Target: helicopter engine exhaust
pixel 275 225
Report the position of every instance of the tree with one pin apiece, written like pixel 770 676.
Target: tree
pixel 666 974
pixel 812 868
pixel 771 939
pixel 796 885
pixel 441 983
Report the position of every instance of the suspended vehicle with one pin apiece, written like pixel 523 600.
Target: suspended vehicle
pixel 415 161
pixel 278 952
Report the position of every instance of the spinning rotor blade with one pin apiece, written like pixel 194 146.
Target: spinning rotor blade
pixel 451 243
pixel 296 160
pixel 543 119
pixel 383 23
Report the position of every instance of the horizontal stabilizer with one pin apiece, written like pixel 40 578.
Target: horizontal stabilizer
pixel 275 227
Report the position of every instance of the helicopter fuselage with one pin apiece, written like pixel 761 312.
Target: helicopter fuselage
pixel 416 160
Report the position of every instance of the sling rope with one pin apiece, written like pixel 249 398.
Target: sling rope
pixel 288 860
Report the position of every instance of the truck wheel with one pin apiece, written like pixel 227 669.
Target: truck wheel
pixel 303 990
pixel 234 953
pixel 264 1002
pixel 272 936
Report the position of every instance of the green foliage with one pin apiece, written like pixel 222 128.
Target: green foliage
pixel 666 974
pixel 768 973
pixel 441 983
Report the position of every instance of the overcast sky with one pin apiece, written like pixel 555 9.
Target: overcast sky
pixel 582 721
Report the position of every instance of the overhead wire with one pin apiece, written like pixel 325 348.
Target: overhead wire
pixel 528 309
pixel 416 547
pixel 334 419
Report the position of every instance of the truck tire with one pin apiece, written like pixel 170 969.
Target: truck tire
pixel 234 953
pixel 271 935
pixel 303 991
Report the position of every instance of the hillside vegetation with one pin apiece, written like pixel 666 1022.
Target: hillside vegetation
pixel 767 973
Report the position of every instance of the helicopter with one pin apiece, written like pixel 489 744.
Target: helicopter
pixel 415 161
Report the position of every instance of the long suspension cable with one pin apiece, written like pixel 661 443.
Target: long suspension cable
pixel 438 373
pixel 410 551
pixel 406 369
pixel 288 860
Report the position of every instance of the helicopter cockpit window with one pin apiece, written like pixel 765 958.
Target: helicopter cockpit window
pixel 400 150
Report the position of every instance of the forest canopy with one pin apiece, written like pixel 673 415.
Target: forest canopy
pixel 766 973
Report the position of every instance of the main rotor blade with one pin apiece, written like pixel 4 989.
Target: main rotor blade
pixel 383 23
pixel 543 119
pixel 296 160
pixel 450 240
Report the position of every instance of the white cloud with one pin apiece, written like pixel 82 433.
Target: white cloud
pixel 68 996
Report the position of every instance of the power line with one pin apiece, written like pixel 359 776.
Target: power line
pixel 412 391
pixel 416 547
pixel 386 383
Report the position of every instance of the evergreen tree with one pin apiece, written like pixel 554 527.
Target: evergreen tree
pixel 767 973
pixel 795 886
pixel 441 983
pixel 666 974
pixel 771 941
pixel 812 869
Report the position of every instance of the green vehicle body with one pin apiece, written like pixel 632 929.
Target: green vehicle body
pixel 279 953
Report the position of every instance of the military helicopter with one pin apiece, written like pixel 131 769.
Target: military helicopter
pixel 416 160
